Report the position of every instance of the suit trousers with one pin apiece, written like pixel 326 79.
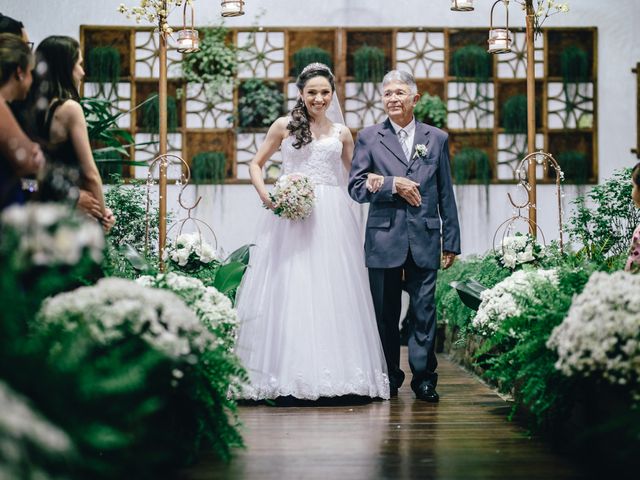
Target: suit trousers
pixel 386 290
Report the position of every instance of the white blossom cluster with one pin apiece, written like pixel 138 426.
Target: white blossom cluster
pixel 293 197
pixel 153 10
pixel 517 250
pixel 214 309
pixel 505 299
pixel 115 308
pixel 23 430
pixel 601 332
pixel 52 234
pixel 190 247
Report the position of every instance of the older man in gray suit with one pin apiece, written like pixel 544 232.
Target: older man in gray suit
pixel 401 167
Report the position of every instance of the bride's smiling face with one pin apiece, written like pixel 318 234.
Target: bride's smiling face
pixel 317 94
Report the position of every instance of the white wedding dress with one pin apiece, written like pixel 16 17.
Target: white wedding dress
pixel 307 324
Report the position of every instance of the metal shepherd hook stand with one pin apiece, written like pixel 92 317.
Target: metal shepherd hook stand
pixel 547 160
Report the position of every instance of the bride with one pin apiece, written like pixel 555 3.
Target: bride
pixel 307 324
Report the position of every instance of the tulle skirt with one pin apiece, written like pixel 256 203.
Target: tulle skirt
pixel 308 326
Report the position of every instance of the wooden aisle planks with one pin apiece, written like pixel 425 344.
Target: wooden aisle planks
pixel 465 436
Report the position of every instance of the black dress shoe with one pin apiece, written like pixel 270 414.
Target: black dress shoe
pixel 393 391
pixel 427 393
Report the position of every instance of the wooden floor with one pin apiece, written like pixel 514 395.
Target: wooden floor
pixel 465 436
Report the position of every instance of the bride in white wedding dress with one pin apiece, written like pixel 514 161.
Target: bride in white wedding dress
pixel 307 323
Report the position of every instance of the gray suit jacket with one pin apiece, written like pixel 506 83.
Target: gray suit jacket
pixel 394 226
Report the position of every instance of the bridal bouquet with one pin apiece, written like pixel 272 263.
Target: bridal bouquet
pixel 293 197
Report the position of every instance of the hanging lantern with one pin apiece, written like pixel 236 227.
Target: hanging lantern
pixel 188 37
pixel 232 8
pixel 500 38
pixel 462 5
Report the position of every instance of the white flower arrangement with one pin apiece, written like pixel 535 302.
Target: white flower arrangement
pixel 190 248
pixel 213 308
pixel 52 234
pixel 24 432
pixel 115 308
pixel 293 197
pixel 505 299
pixel 601 333
pixel 519 249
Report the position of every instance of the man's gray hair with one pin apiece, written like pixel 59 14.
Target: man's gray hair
pixel 401 76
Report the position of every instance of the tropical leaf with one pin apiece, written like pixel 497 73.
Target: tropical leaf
pixel 229 276
pixel 240 255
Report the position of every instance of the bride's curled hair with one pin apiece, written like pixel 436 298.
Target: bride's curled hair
pixel 300 120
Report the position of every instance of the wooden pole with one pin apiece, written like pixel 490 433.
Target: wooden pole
pixel 531 117
pixel 162 105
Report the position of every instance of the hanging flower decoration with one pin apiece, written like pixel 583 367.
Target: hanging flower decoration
pixel 154 11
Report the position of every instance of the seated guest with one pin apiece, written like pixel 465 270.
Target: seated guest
pixel 18 154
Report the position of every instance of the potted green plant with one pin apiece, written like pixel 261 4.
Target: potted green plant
pixel 151 113
pixel 208 167
pixel 471 62
pixel 575 166
pixel 514 114
pixel 103 64
pixel 432 110
pixel 307 55
pixel 368 64
pixel 260 104
pixel 215 65
pixel 471 164
pixel 574 64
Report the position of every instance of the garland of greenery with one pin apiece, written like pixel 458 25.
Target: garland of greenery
pixel 260 104
pixel 368 64
pixel 307 55
pixel 432 110
pixel 471 62
pixel 514 118
pixel 209 167
pixel 103 65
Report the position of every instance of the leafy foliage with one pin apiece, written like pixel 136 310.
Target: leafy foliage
pixel 471 61
pixel 605 218
pixel 307 55
pixel 126 255
pixel 369 64
pixel 471 164
pixel 103 64
pixel 517 357
pixel 261 103
pixel 515 114
pixel 432 110
pixel 151 113
pixel 215 64
pixel 209 167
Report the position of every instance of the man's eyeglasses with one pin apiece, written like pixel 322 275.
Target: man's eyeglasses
pixel 30 45
pixel 400 94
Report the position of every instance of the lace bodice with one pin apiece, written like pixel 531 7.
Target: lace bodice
pixel 320 160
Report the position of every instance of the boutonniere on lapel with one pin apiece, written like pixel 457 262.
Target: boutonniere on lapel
pixel 421 151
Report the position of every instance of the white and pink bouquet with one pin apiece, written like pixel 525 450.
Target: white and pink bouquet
pixel 293 197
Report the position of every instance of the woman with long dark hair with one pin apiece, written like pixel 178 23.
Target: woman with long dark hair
pixel 308 327
pixel 18 154
pixel 58 119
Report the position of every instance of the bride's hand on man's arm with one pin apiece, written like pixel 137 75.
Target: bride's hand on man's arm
pixel 374 182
